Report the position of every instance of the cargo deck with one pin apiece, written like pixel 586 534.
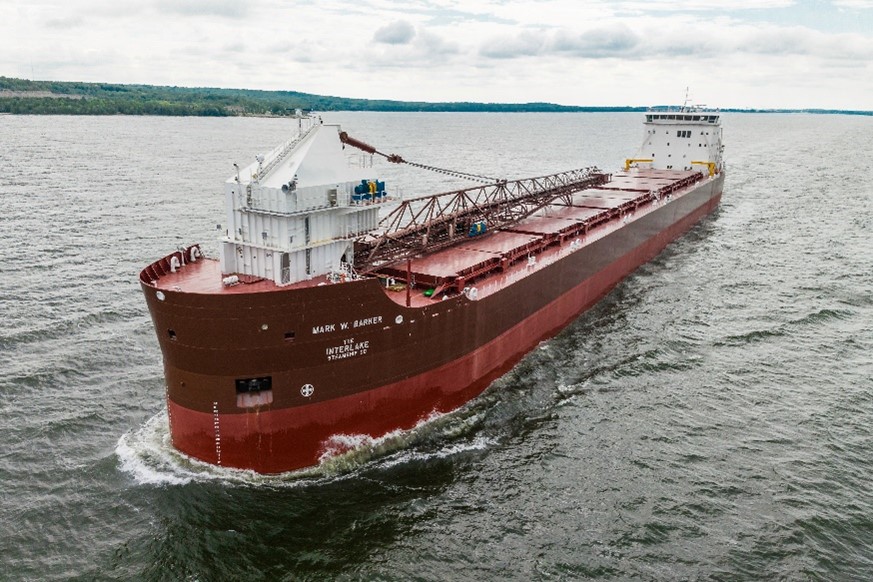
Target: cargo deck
pixel 482 264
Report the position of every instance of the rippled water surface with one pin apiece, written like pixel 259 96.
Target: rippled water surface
pixel 711 418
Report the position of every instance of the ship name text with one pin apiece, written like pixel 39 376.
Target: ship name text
pixel 345 325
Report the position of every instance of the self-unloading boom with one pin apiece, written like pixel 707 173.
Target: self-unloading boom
pixel 429 223
pixel 395 159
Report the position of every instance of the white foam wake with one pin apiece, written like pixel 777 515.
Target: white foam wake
pixel 348 452
pixel 147 454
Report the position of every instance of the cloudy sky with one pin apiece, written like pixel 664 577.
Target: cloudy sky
pixel 731 53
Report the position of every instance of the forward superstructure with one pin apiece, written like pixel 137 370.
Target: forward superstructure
pixel 294 214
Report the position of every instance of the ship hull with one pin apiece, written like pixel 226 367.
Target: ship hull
pixel 395 369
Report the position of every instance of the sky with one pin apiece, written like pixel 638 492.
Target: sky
pixel 728 53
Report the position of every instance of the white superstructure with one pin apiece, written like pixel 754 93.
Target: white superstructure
pixel 686 138
pixel 293 214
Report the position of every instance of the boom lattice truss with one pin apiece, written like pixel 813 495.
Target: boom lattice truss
pixel 422 225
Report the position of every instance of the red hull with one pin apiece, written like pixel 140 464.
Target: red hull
pixel 287 435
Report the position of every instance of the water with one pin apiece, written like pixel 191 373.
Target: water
pixel 710 419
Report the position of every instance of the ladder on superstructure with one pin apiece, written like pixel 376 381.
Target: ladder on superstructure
pixel 284 150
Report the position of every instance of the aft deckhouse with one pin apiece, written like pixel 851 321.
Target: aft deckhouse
pixel 686 138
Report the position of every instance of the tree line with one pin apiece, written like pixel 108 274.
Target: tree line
pixel 22 96
pixel 75 98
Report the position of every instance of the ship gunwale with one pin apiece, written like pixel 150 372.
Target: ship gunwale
pixel 599 216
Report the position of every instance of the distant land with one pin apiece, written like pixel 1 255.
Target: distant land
pixel 22 96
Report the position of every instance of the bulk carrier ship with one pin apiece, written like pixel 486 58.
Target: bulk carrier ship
pixel 335 309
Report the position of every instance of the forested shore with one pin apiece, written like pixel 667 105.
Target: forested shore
pixel 22 96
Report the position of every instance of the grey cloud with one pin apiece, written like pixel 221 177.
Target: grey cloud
pixel 425 50
pixel 226 8
pixel 781 42
pixel 766 42
pixel 397 32
pixel 449 16
pixel 235 47
pixel 65 23
pixel 525 44
pixel 435 45
pixel 597 43
pixel 853 4
pixel 677 42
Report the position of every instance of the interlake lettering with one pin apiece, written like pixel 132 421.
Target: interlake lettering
pixel 349 349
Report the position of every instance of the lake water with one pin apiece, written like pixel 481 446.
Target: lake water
pixel 712 418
